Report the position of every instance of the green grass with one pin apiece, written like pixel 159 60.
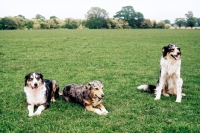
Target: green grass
pixel 121 59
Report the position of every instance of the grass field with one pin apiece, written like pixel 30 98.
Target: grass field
pixel 121 59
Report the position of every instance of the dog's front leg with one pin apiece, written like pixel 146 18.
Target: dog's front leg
pixel 30 110
pixel 39 110
pixel 179 90
pixel 90 108
pixel 103 109
pixel 159 89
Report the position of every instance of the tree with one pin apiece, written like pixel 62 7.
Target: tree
pixel 198 21
pixel 53 17
pixel 161 25
pixel 8 23
pixel 40 17
pixel 96 18
pixel 180 22
pixel 167 21
pixel 146 24
pixel 71 23
pixel 139 19
pixel 21 16
pixel 128 14
pixel 29 24
pixel 190 20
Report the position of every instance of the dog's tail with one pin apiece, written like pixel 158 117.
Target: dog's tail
pixel 148 88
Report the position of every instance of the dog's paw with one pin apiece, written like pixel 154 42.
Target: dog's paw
pixel 166 95
pixel 30 114
pixel 37 113
pixel 178 101
pixel 183 94
pixel 104 112
pixel 98 111
pixel 157 98
pixel 53 100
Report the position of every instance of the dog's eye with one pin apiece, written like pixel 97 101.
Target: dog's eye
pixel 38 78
pixel 96 88
pixel 172 50
pixel 30 79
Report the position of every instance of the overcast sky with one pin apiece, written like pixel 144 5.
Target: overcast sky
pixel 151 9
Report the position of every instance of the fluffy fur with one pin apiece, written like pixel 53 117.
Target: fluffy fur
pixel 39 92
pixel 90 96
pixel 169 81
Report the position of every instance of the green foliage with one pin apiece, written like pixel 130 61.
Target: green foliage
pixel 128 14
pixel 71 23
pixel 40 17
pixel 96 18
pixel 198 21
pixel 146 24
pixel 180 22
pixel 8 23
pixel 190 20
pixel 121 59
pixel 160 25
pixel 29 24
pixel 167 21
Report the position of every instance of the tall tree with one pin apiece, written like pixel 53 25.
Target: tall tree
pixel 167 21
pixel 40 17
pixel 21 16
pixel 8 23
pixel 96 18
pixel 190 20
pixel 198 21
pixel 180 22
pixel 128 14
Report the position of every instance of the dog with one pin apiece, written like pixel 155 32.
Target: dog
pixel 169 81
pixel 39 92
pixel 89 95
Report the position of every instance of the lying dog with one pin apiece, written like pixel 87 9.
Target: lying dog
pixel 39 92
pixel 90 96
pixel 169 81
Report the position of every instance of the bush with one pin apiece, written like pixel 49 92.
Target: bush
pixel 167 26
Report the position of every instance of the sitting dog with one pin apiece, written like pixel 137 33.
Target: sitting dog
pixel 169 81
pixel 39 92
pixel 90 96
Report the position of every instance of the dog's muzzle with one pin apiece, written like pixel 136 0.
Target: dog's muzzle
pixel 35 86
pixel 177 57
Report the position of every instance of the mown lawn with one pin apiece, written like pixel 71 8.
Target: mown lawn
pixel 121 59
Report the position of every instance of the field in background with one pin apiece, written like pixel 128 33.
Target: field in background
pixel 121 59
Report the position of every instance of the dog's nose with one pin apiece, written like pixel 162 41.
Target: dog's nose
pixel 35 84
pixel 102 95
pixel 178 53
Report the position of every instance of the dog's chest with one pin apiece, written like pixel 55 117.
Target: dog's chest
pixel 96 102
pixel 169 68
pixel 36 97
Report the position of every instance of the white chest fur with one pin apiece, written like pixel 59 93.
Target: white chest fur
pixel 170 67
pixel 35 97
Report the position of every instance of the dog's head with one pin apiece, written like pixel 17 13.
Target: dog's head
pixel 172 51
pixel 34 80
pixel 96 89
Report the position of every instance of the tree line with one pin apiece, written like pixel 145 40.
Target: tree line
pixel 96 18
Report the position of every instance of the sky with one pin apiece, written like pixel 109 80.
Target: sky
pixel 77 9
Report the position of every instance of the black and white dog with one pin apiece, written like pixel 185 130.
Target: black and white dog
pixel 169 81
pixel 39 92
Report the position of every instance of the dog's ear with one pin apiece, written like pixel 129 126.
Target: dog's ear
pixel 165 49
pixel 26 78
pixel 88 86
